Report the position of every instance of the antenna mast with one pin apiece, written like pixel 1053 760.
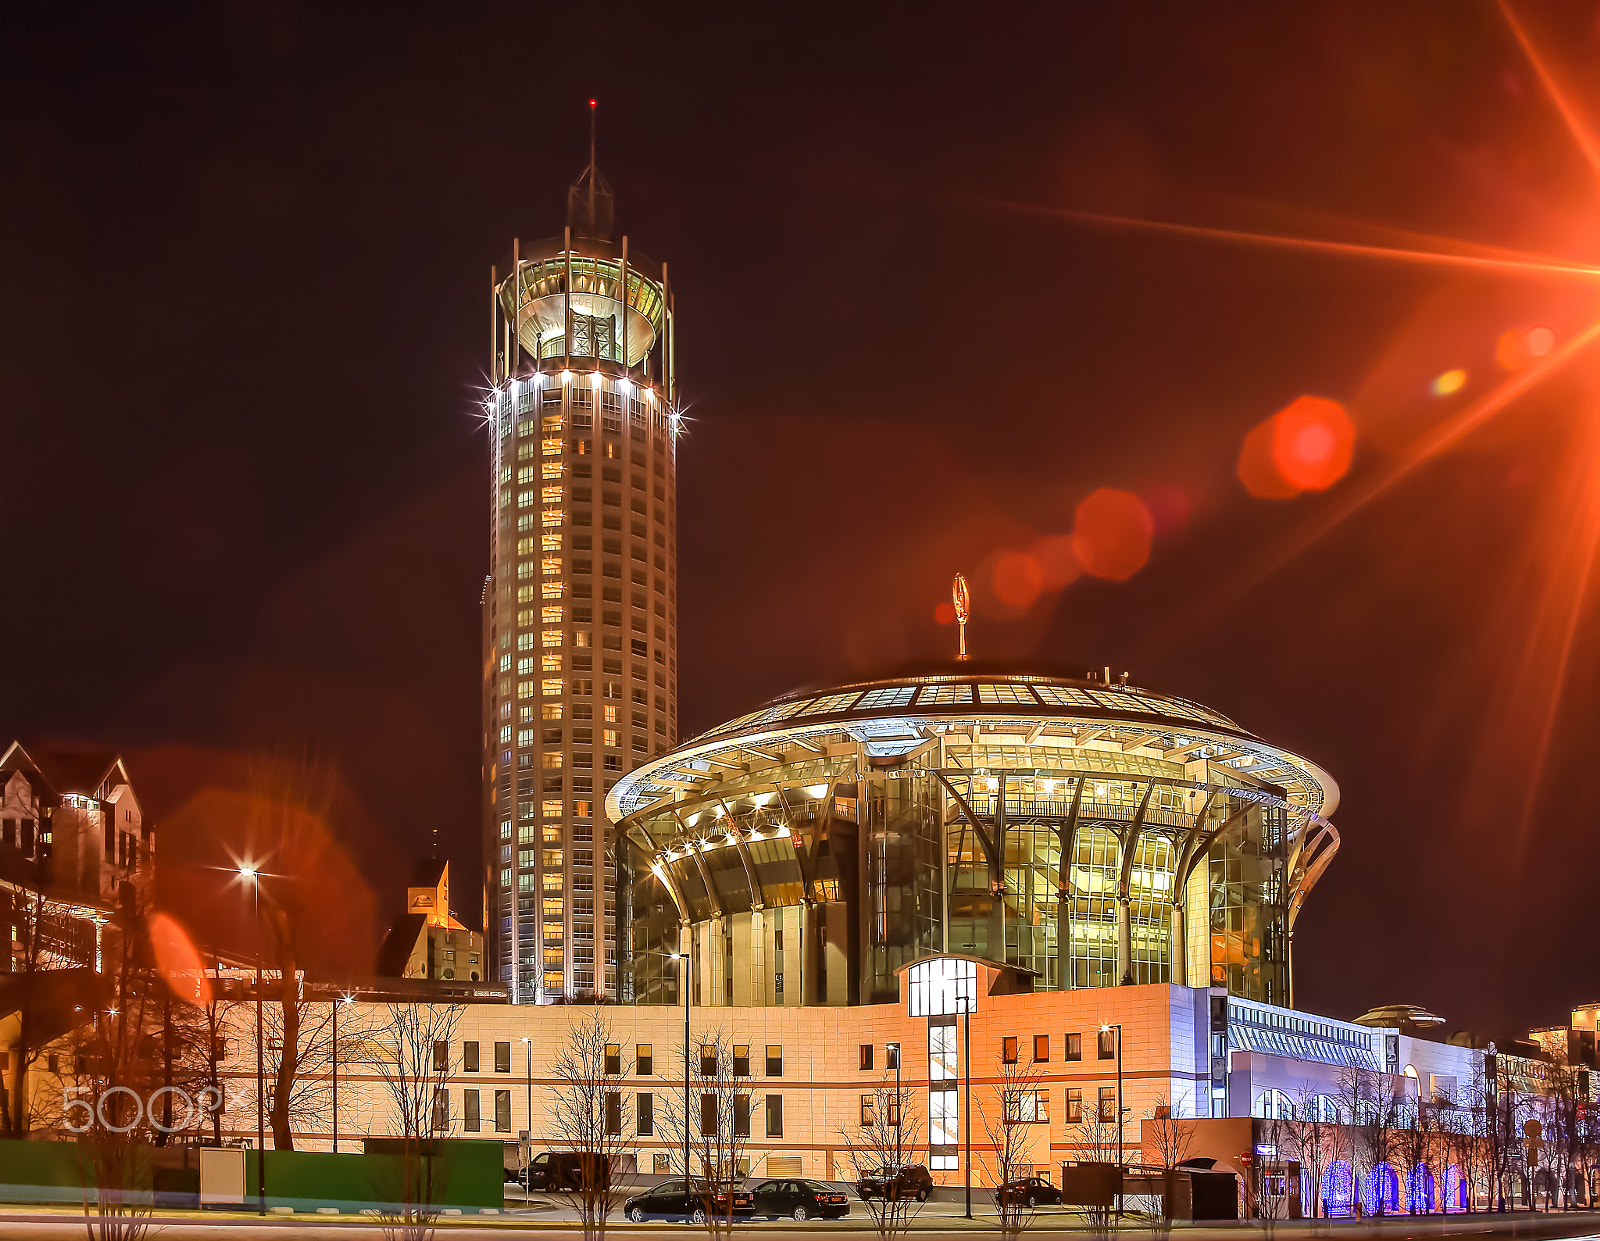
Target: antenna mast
pixel 593 173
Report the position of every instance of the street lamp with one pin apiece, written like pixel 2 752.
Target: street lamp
pixel 527 1134
pixel 683 985
pixel 253 877
pixel 1109 1026
pixel 346 998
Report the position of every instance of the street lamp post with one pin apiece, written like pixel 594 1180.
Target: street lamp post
pixel 527 1134
pixel 347 998
pixel 966 1039
pixel 254 876
pixel 683 985
pixel 1120 1167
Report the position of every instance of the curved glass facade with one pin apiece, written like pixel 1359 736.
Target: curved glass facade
pixel 805 861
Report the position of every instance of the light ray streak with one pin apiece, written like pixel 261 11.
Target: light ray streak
pixel 1430 444
pixel 1571 572
pixel 1530 265
pixel 1569 114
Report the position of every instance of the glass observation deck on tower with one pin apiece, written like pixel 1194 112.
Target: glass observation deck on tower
pixel 1091 833
pixel 584 290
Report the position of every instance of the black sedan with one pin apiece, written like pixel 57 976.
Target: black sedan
pixel 799 1199
pixel 1028 1191
pixel 674 1200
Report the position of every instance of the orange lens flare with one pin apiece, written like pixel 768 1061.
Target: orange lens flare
pixel 1058 563
pixel 1312 443
pixel 177 958
pixel 945 614
pixel 1111 534
pixel 1306 446
pixel 1522 347
pixel 1448 383
pixel 1017 579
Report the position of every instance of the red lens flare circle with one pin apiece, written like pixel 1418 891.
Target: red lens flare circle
pixel 1111 534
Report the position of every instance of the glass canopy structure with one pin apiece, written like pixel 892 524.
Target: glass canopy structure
pixel 1090 832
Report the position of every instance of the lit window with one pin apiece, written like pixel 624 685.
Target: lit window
pixel 551 566
pixel 611 715
pixel 582 809
pixel 551 711
pixel 526 474
pixel 550 663
pixel 551 448
pixel 552 687
pixel 547 542
pixel 525 499
pixel 552 469
pixel 552 590
pixel 551 495
pixel 525 690
pixel 551 517
pixel 552 809
pixel 610 737
pixel 552 637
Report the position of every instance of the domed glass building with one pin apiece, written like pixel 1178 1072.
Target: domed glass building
pixel 1093 833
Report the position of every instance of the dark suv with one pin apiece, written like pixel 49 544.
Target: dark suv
pixel 553 1171
pixel 895 1185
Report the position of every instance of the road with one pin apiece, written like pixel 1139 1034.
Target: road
pixel 937 1219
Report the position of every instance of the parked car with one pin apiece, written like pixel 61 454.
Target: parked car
pixel 799 1199
pixel 673 1199
pixel 555 1171
pixel 896 1184
pixel 1029 1191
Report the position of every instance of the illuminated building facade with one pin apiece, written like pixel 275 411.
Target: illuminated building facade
pixel 580 607
pixel 1091 833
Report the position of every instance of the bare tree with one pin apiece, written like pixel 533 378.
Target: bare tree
pixel 1094 1135
pixel 888 1135
pixel 1371 1098
pixel 1308 1139
pixel 113 1067
pixel 1017 1104
pixel 412 1056
pixel 719 1131
pixel 43 951
pixel 589 1114
pixel 1171 1133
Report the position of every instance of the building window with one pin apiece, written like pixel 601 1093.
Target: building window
pixel 1108 1044
pixel 866 1111
pixel 502 1057
pixel 741 1059
pixel 614 1060
pixel 708 1060
pixel 613 1113
pixel 866 1057
pixel 741 1115
pixel 1074 1114
pixel 441 1110
pixel 1074 1048
pixel 708 1115
pixel 469 1057
pixel 644 1060
pixel 1008 1050
pixel 441 1056
pixel 502 1111
pixel 470 1120
pixel 1108 1104
pixel 644 1110
pixel 774 1062
pixel 774 1115
pixel 1041 1048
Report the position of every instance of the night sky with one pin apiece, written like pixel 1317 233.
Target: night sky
pixel 244 313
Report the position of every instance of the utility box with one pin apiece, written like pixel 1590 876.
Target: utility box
pixel 222 1182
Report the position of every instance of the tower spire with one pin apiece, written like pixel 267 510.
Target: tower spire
pixel 589 202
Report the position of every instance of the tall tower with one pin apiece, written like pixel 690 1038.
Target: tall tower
pixel 580 669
